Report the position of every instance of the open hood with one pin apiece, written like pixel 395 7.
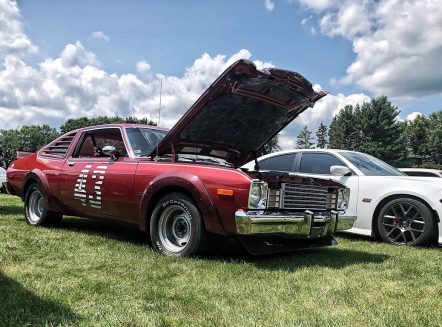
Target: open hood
pixel 240 112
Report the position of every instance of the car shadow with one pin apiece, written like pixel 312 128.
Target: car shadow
pixel 9 209
pixel 111 230
pixel 230 249
pixel 21 307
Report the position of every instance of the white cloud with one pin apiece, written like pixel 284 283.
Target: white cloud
pixel 323 111
pixel 13 41
pixel 398 44
pixel 100 35
pixel 413 115
pixel 143 67
pixel 269 4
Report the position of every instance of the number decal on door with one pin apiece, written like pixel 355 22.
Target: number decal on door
pixel 91 199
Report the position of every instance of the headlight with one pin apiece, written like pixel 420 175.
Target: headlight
pixel 258 195
pixel 343 198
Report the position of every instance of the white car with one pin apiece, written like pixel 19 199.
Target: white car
pixel 422 172
pixel 398 208
pixel 2 180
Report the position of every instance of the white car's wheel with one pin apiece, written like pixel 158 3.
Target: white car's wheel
pixel 406 221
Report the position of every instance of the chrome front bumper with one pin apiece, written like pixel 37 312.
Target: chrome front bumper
pixel 299 225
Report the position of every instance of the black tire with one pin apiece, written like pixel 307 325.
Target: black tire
pixel 176 226
pixel 406 221
pixel 36 213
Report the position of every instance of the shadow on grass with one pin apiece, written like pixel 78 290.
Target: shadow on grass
pixel 115 231
pixel 328 257
pixel 20 307
pixel 7 208
pixel 231 250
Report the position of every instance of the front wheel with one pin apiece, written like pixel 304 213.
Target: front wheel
pixel 35 210
pixel 176 226
pixel 406 221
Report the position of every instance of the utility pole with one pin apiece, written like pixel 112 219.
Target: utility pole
pixel 159 109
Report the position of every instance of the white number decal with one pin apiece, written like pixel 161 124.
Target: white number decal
pixel 80 190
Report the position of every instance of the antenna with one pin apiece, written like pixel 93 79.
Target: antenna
pixel 159 109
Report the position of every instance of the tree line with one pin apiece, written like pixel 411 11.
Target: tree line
pixel 31 138
pixel 374 127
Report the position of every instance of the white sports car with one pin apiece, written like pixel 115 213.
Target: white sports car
pixel 398 208
pixel 2 180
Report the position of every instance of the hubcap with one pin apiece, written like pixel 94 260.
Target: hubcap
pixel 35 206
pixel 174 228
pixel 403 223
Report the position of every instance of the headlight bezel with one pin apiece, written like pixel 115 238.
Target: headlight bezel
pixel 260 198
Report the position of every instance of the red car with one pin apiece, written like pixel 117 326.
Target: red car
pixel 183 185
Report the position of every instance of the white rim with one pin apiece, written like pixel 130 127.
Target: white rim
pixel 174 228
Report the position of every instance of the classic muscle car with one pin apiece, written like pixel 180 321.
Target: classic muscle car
pixel 183 185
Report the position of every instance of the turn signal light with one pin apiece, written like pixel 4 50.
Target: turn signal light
pixel 223 191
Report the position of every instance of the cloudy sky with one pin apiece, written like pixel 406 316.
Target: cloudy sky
pixel 63 59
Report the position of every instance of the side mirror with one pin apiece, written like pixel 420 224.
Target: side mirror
pixel 111 151
pixel 340 170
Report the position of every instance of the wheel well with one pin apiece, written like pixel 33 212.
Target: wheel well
pixel 28 183
pixel 374 225
pixel 162 192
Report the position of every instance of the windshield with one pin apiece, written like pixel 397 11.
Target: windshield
pixel 371 166
pixel 144 140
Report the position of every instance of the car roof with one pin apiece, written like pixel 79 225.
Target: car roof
pixel 126 125
pixel 421 169
pixel 304 150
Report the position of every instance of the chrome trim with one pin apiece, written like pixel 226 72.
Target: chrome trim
pixel 346 220
pixel 297 224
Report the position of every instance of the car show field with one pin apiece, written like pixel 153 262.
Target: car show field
pixel 91 273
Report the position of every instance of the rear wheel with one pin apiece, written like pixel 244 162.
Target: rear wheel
pixel 176 226
pixel 406 221
pixel 36 212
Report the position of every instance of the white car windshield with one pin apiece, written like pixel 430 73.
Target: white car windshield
pixel 371 166
pixel 144 140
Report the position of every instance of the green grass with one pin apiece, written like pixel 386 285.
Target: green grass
pixel 89 273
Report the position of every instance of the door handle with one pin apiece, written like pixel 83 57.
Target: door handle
pixel 71 164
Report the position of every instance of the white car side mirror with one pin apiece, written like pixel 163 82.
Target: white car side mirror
pixel 340 170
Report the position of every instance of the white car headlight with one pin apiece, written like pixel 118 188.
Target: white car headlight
pixel 343 198
pixel 258 194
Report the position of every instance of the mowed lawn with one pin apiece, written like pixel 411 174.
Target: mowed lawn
pixel 88 273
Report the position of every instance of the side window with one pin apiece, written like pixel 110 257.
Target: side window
pixel 281 163
pixel 263 164
pixel 96 140
pixel 318 163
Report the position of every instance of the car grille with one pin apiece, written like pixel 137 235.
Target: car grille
pixel 302 197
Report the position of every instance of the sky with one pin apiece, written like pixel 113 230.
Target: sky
pixel 67 59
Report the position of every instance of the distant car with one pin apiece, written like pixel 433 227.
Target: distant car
pixel 184 185
pixel 2 180
pixel 400 209
pixel 422 172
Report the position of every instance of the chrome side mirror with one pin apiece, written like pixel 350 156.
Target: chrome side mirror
pixel 340 170
pixel 111 151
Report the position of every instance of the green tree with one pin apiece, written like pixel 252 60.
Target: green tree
pixel 75 123
pixel 28 138
pixel 344 131
pixel 321 136
pixel 417 136
pixel 304 139
pixel 269 147
pixel 435 137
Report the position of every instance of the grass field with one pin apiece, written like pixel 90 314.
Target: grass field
pixel 88 273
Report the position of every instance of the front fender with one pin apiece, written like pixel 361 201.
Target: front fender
pixel 175 181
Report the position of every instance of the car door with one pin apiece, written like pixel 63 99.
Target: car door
pixel 319 163
pixel 94 184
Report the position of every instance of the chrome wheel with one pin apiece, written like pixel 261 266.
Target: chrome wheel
pixel 403 223
pixel 174 228
pixel 35 206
